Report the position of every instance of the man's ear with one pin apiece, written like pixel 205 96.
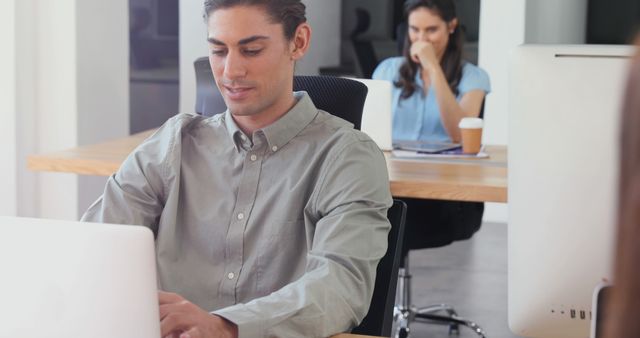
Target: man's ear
pixel 300 42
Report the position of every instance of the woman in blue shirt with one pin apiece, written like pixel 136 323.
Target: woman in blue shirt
pixel 433 90
pixel 433 87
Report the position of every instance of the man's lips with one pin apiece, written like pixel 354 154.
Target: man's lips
pixel 237 93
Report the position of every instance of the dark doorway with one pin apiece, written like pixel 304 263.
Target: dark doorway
pixel 612 21
pixel 154 62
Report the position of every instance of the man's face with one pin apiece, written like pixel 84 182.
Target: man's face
pixel 252 61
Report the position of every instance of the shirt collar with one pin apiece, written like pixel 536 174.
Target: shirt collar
pixel 281 131
pixel 238 138
pixel 292 123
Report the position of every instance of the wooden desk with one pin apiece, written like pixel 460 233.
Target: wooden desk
pixel 446 179
pixel 480 180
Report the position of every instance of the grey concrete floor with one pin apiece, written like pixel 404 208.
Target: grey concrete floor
pixel 470 275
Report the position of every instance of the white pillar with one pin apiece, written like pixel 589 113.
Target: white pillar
pixel 69 87
pixel 505 24
pixel 324 18
pixel 56 96
pixel 495 45
pixel 8 141
pixel 193 44
pixel 556 22
pixel 103 81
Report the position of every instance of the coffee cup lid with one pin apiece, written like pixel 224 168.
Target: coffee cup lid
pixel 471 123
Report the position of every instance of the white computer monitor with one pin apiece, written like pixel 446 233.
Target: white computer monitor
pixel 72 279
pixel 564 105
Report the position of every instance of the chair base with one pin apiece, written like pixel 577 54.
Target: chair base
pixel 405 313
pixel 403 318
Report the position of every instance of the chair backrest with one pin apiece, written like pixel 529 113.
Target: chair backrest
pixel 209 101
pixel 341 97
pixel 365 53
pixel 379 319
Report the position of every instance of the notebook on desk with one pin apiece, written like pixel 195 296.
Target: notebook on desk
pixel 72 279
pixel 427 147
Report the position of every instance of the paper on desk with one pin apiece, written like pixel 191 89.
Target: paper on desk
pixel 445 154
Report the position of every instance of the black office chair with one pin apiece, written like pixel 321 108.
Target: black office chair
pixel 363 48
pixel 209 101
pixel 379 319
pixel 339 96
pixel 433 224
pixel 401 35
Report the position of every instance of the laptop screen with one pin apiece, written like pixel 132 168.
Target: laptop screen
pixel 72 279
pixel 376 115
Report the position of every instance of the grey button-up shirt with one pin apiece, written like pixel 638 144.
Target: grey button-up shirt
pixel 280 232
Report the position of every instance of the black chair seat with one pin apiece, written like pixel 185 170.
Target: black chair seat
pixel 437 223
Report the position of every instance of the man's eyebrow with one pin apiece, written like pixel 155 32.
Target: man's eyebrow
pixel 241 42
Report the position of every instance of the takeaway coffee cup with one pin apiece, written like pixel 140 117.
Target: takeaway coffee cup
pixel 471 131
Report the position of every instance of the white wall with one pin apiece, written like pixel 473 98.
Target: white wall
pixel 556 22
pixel 495 45
pixel 193 44
pixel 55 99
pixel 102 81
pixel 26 140
pixel 8 142
pixel 71 85
pixel 505 25
pixel 323 16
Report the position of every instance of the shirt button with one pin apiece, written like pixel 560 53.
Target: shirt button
pixel 231 275
pixel 254 157
pixel 274 148
pixel 240 216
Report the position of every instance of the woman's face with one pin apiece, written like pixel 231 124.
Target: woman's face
pixel 426 25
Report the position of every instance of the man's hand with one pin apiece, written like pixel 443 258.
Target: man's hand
pixel 183 319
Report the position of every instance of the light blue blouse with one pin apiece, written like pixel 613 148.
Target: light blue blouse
pixel 418 117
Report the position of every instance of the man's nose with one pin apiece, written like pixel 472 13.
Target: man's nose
pixel 234 66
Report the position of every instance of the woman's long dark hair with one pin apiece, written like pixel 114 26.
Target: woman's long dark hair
pixel 451 60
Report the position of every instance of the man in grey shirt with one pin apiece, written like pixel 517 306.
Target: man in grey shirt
pixel 270 219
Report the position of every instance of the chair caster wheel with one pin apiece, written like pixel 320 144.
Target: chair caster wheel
pixel 454 329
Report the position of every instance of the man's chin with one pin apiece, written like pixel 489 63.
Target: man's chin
pixel 241 110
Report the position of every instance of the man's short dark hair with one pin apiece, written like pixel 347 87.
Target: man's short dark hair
pixel 289 13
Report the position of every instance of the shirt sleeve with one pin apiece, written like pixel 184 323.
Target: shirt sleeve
pixel 474 78
pixel 135 193
pixel 387 69
pixel 350 238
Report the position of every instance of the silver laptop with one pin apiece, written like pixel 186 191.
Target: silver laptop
pixel 376 115
pixel 72 279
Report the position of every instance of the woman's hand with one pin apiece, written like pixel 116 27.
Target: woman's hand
pixel 424 53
